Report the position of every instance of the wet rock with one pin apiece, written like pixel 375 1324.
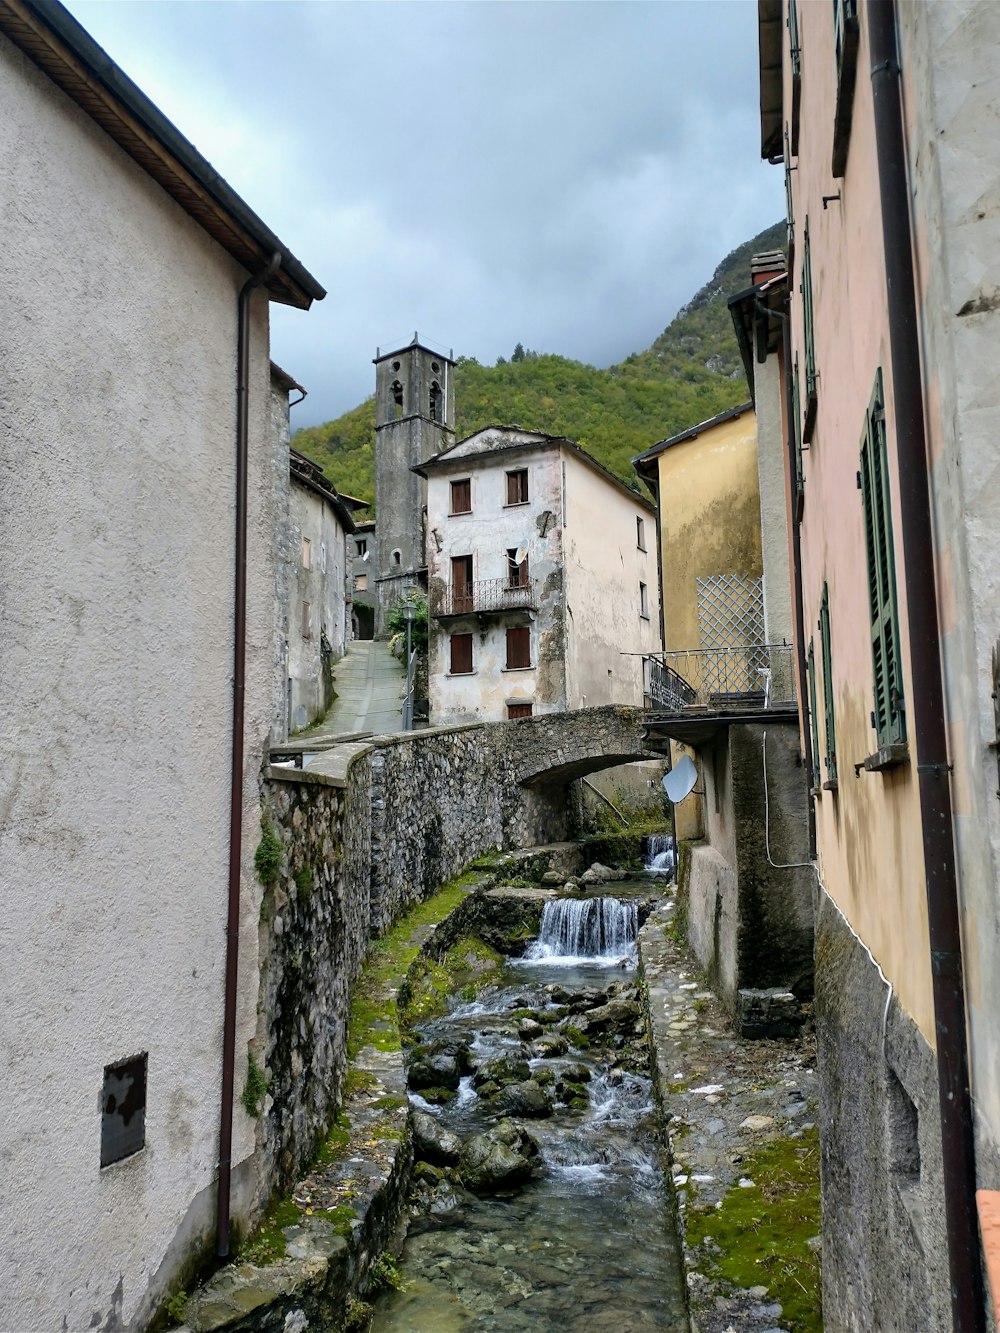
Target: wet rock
pixel 550 1045
pixel 434 1071
pixel 501 1158
pixel 501 1070
pixel 437 1096
pixel 543 1076
pixel 525 1099
pixel 529 1030
pixel 459 1048
pixel 426 1174
pixel 432 1142
pixel 576 1073
pixel 618 1017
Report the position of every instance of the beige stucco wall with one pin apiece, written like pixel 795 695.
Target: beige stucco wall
pixel 709 519
pixel 323 586
pixel 606 634
pixel 868 831
pixel 118 347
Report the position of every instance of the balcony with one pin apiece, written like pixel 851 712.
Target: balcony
pixel 484 597
pixel 695 692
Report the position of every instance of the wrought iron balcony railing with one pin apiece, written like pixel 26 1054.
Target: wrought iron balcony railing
pixel 748 677
pixel 485 595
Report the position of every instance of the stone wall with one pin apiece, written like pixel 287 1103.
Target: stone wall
pixel 367 831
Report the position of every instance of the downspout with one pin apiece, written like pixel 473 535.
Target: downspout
pixel 236 781
pixel 926 707
pixel 800 620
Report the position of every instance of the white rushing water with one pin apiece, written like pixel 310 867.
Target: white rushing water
pixel 600 930
pixel 661 855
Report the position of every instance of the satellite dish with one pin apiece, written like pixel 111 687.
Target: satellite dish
pixel 520 555
pixel 679 782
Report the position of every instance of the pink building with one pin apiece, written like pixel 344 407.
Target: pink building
pixel 886 118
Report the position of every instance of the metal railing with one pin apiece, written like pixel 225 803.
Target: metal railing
pixel 484 595
pixel 750 677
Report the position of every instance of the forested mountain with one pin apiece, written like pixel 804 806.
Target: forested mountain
pixel 691 371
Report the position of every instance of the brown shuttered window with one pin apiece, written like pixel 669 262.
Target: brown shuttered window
pixel 461 496
pixel 517 487
pixel 518 710
pixel 518 648
pixel 461 654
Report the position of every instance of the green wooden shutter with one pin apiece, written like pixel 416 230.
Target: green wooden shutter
pixel 814 720
pixel 889 718
pixel 798 488
pixel 830 731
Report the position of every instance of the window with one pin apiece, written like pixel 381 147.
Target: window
pixel 643 601
pixel 805 287
pixel 789 201
pixel 889 718
pixel 123 1109
pixel 461 496
pixel 361 583
pixel 846 33
pixel 795 51
pixel 814 721
pixel 306 621
pixel 518 710
pixel 397 557
pixel 306 553
pixel 397 398
pixel 517 487
pixel 640 533
pixel 435 401
pixel 322 556
pixel 829 730
pixel 461 654
pixel 517 570
pixel 362 546
pixel 518 648
pixel 461 584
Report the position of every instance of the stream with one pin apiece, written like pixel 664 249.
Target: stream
pixel 588 1243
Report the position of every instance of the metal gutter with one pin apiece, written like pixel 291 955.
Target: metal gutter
pixel 236 776
pixel 926 706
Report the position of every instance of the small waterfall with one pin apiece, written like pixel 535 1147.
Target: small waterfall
pixel 596 928
pixel 661 854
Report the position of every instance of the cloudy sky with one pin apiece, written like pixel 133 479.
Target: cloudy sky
pixel 487 172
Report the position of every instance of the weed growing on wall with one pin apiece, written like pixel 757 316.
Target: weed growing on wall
pixel 267 858
pixel 254 1088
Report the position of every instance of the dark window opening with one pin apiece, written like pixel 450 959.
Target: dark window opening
pixel 643 601
pixel 812 375
pixel 461 496
pixel 517 570
pixel 814 780
pixel 830 731
pixel 461 583
pixel 362 546
pixel 795 51
pixel 123 1109
pixel 397 557
pixel 435 401
pixel 518 648
pixel 517 487
pixel 461 654
pixel 846 36
pixel 397 398
pixel 518 710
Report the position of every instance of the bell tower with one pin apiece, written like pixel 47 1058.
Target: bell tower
pixel 414 419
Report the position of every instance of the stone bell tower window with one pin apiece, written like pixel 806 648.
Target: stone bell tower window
pixel 435 403
pixel 397 398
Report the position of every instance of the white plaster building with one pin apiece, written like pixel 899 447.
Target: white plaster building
pixel 542 579
pixel 135 368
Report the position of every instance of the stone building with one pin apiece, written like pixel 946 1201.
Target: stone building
pixel 886 117
pixel 542 579
pixel 364 574
pixel 137 452
pixel 414 419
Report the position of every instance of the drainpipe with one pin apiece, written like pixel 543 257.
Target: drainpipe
pixel 926 707
pixel 236 787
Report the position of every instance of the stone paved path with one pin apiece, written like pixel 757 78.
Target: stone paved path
pixel 369 683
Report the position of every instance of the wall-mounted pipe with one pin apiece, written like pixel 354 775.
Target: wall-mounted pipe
pixel 236 777
pixel 926 706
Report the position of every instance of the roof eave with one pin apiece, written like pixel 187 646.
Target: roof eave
pixel 63 50
pixel 770 36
